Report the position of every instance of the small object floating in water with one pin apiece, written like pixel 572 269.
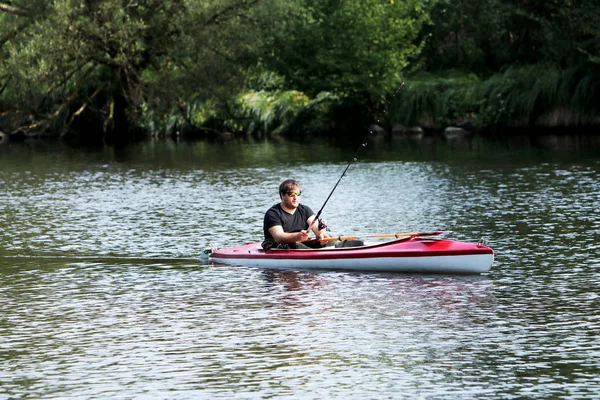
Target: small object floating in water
pixel 204 255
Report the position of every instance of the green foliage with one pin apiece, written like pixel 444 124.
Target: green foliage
pixel 436 100
pixel 339 53
pixel 318 115
pixel 467 35
pixel 355 48
pixel 271 112
pixel 110 61
pixel 571 31
pixel 267 108
pixel 521 94
pixel 486 36
pixel 267 66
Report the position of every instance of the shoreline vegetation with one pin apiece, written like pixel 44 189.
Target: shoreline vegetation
pixel 118 73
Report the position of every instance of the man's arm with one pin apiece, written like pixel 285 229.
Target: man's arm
pixel 282 237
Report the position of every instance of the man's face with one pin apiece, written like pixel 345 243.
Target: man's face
pixel 291 199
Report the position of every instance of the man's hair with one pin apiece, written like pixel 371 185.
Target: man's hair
pixel 288 185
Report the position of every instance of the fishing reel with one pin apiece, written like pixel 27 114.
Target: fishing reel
pixel 323 225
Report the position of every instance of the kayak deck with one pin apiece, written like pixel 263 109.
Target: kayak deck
pixel 404 255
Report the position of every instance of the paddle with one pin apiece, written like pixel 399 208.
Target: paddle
pixel 378 236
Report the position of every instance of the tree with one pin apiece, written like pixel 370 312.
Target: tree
pixel 71 64
pixel 355 48
pixel 573 33
pixel 489 35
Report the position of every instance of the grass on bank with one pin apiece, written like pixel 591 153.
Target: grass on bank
pixel 527 96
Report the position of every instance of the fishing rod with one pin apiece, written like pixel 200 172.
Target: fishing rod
pixel 363 144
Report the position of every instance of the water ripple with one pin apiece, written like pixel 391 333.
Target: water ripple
pixel 102 296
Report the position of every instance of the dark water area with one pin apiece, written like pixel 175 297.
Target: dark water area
pixel 104 295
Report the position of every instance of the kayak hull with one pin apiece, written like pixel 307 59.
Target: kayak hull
pixel 404 255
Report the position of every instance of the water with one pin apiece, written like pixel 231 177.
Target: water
pixel 103 294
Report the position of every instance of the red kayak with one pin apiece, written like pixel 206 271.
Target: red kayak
pixel 410 254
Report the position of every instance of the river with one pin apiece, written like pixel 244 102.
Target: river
pixel 103 293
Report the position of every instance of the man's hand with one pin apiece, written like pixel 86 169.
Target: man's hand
pixel 322 235
pixel 303 236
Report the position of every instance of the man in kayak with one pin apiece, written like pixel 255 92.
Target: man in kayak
pixel 287 223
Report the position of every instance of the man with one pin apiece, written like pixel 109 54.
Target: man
pixel 287 223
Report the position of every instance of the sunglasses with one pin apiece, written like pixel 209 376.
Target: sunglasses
pixel 294 194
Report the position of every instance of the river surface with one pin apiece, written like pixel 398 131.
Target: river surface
pixel 103 293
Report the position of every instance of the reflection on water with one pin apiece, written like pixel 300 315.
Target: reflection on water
pixel 104 296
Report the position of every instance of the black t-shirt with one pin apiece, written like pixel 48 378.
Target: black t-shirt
pixel 290 222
